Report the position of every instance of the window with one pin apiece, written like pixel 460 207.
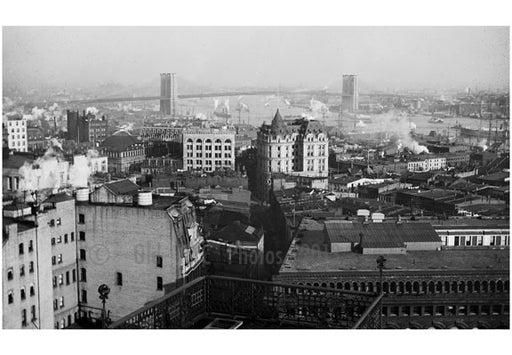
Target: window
pixel 159 283
pixel 61 279
pixel 54 281
pixel 82 236
pixel 51 223
pixel 72 236
pixel 81 218
pixel 65 238
pixel 30 246
pixel 439 310
pixel 54 260
pixel 31 267
pixel 59 239
pixel 73 273
pixel 21 249
pixel 119 279
pixel 23 294
pixel 473 310
pixel 55 304
pixel 10 274
pixel 159 261
pixel 496 309
pixel 83 275
pixel 32 291
pixel 84 296
pixel 59 259
pixel 33 313
pixel 22 270
pixel 59 222
pixel 53 241
pixel 82 254
pixel 67 277
pixel 61 303
pixel 23 317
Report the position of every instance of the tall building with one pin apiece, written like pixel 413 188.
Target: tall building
pixel 168 94
pixel 298 148
pixel 17 134
pixel 139 245
pixel 86 127
pixel 39 264
pixel 208 149
pixel 350 93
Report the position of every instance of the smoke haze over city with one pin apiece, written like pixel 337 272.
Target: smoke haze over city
pixel 383 57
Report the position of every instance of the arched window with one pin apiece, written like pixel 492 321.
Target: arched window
pixel 454 286
pixel 370 287
pixel 324 284
pixel 199 141
pixel 10 297
pixel 424 287
pixel 408 287
pixel 492 286
pixel 10 274
pixel 431 287
pixel 499 286
pixel 447 286
pixel 23 295
pixel 331 285
pixel 385 287
pixel 416 287
pixel 470 286
pixel 347 286
pixel 506 286
pixel 485 286
pixel 32 291
pixel 393 287
pixel 477 286
pixel 355 287
pixel 339 285
pixel 462 287
pixel 362 287
pixel 439 287
pixel 401 287
pixel 190 140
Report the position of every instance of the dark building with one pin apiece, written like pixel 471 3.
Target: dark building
pixel 445 288
pixel 86 127
pixel 168 94
pixel 35 139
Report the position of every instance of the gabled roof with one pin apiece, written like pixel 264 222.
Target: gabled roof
pixel 120 141
pixel 122 187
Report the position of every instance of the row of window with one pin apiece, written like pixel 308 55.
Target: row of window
pixel 208 141
pixel 21 247
pixel 59 280
pixel 58 240
pixel 417 287
pixel 23 294
pixel 208 162
pixel 455 310
pixel 24 315
pixel 208 147
pixel 159 280
pixel 208 155
pixel 58 303
pixel 476 240
pixel 57 222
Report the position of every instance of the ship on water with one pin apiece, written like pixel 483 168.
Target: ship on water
pixel 221 110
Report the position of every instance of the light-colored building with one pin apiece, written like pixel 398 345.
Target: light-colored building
pixel 208 149
pixel 140 250
pixel 427 163
pixel 17 134
pixel 297 148
pixel 39 265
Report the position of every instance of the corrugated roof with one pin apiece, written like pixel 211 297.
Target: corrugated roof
pixel 122 187
pixel 380 235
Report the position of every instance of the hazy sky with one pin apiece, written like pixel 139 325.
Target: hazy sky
pixel 383 57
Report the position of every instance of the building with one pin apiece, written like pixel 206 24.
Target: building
pixel 26 289
pixel 208 149
pixel 86 127
pixel 35 139
pixel 426 163
pixel 161 165
pixel 473 233
pixel 17 134
pixel 125 153
pixel 39 261
pixel 297 148
pixel 140 250
pixel 168 94
pixel 350 93
pixel 443 288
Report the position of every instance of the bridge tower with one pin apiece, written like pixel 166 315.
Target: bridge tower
pixel 168 94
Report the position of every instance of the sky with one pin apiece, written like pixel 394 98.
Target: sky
pixel 382 57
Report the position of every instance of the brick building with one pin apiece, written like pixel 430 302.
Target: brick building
pixel 125 152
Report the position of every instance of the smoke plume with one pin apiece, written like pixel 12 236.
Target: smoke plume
pixel 92 110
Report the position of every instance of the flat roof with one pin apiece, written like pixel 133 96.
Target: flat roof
pixel 309 254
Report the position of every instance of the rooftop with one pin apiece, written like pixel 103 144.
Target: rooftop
pixel 122 187
pixel 120 141
pixel 310 254
pixel 237 231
